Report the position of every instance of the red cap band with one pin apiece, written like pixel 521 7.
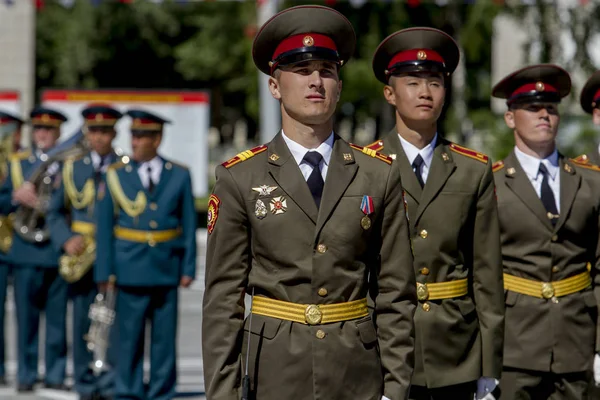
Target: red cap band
pixel 596 95
pixel 304 40
pixel 535 87
pixel 5 120
pixel 416 55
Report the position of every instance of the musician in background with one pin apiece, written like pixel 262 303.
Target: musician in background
pixel 10 139
pixel 146 236
pixel 72 226
pixel 38 287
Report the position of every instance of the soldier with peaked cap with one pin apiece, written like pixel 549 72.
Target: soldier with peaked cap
pixel 590 102
pixel 309 225
pixel 549 209
pixel 457 263
pixel 11 124
pixel 146 239
pixel 37 284
pixel 72 222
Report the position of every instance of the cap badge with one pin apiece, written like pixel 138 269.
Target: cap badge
pixel 308 41
pixel 540 87
pixel 99 118
pixel 421 55
pixel 45 118
pixel 137 121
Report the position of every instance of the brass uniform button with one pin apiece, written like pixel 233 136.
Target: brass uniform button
pixel 555 269
pixel 153 206
pixel 320 334
pixel 554 238
pixel 153 224
pixel 322 292
pixel 423 234
pixel 425 271
pixel 151 243
pixel 426 307
pixel 321 248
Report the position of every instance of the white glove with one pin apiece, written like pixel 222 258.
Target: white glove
pixel 485 387
pixel 597 369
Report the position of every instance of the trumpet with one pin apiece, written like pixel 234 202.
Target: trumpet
pixel 102 315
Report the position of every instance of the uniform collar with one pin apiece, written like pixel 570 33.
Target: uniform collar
pixel 412 151
pixel 531 164
pixel 298 151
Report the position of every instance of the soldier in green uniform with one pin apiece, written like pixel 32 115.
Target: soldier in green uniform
pixel 549 211
pixel 309 225
pixel 590 102
pixel 457 262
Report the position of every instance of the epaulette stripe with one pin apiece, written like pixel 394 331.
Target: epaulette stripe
pixel 384 158
pixel 586 165
pixel 582 159
pixel 244 155
pixel 469 153
pixel 376 145
pixel 372 153
pixel 497 166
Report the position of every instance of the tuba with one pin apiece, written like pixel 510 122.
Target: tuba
pixel 29 222
pixel 102 316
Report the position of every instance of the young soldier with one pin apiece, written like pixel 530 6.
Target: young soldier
pixel 146 238
pixel 453 220
pixel 549 211
pixel 72 227
pixel 590 102
pixel 308 224
pixel 38 286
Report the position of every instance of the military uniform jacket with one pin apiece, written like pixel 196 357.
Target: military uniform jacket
pixel 541 334
pixel 170 206
pixel 455 234
pixel 20 167
pixel 77 202
pixel 307 255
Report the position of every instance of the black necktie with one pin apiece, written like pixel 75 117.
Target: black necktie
pixel 547 196
pixel 150 181
pixel 315 180
pixel 418 166
pixel 98 172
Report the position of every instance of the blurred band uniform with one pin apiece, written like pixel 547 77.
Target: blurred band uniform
pixel 37 284
pixel 453 219
pixel 308 224
pixel 72 223
pixel 549 209
pixel 146 237
pixel 10 138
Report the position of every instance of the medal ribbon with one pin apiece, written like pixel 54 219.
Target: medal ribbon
pixel 366 205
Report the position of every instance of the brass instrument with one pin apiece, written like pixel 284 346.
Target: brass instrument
pixel 7 133
pixel 102 316
pixel 73 268
pixel 29 222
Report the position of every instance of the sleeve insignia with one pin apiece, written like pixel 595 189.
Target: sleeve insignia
pixel 213 212
pixel 372 153
pixel 377 145
pixel 469 153
pixel 498 165
pixel 244 155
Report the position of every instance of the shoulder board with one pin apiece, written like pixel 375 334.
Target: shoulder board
pixel 498 165
pixel 244 155
pixel 372 153
pixel 177 164
pixel 376 145
pixel 585 164
pixel 117 165
pixel 582 159
pixel 21 155
pixel 469 153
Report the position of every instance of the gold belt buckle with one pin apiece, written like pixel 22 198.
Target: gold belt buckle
pixel 547 290
pixel 313 314
pixel 422 291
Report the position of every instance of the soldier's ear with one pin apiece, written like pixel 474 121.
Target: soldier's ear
pixel 509 118
pixel 388 93
pixel 274 88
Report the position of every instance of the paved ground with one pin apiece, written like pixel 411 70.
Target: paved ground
pixel 190 384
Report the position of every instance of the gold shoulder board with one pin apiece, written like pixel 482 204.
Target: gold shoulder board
pixel 244 155
pixel 498 165
pixel 372 153
pixel 376 145
pixel 585 164
pixel 469 153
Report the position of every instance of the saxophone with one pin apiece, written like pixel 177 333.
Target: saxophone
pixel 29 222
pixel 102 316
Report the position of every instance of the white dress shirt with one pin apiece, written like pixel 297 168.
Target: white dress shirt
pixel 298 152
pixel 156 165
pixel 531 166
pixel 426 154
pixel 96 159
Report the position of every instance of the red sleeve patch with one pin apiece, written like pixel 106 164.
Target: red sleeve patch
pixel 213 212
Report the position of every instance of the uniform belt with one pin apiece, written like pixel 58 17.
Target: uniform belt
pixel 442 290
pixel 310 314
pixel 84 228
pixel 152 237
pixel 547 290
